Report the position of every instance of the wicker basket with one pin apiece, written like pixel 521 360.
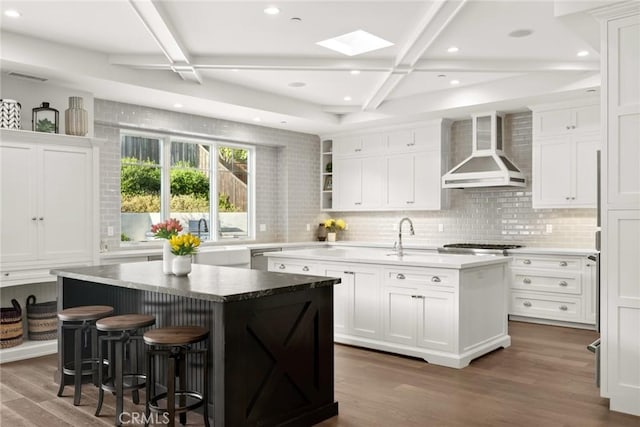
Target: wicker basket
pixel 11 325
pixel 42 319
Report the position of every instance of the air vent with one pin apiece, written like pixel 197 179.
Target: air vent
pixel 27 76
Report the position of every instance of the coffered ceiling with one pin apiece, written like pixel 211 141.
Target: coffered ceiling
pixel 231 60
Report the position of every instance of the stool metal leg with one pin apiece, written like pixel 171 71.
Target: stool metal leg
pixel 205 392
pixel 171 390
pixel 94 352
pixel 182 377
pixel 61 362
pixel 100 375
pixel 77 383
pixel 133 368
pixel 117 380
pixel 150 379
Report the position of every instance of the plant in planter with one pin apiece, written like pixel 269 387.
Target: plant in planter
pixel 333 226
pixel 166 230
pixel 183 247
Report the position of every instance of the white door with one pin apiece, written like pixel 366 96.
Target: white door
pixel 585 168
pixel 400 178
pixel 365 303
pixel 427 182
pixel 19 215
pixel 436 320
pixel 347 185
pixel 399 315
pixel 64 218
pixel 552 172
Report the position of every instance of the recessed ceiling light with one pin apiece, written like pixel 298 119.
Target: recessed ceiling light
pixel 455 82
pixel 355 43
pixel 520 33
pixel 177 105
pixel 347 98
pixel 297 84
pixel 583 53
pixel 355 72
pixel 272 10
pixel 12 13
pixel 235 70
pixel 257 119
pixel 453 49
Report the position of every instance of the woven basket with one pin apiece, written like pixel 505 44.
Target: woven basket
pixel 11 325
pixel 42 319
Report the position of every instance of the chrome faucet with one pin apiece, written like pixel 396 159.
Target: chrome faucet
pixel 206 229
pixel 398 246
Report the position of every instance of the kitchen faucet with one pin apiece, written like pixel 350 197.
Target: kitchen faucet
pixel 206 229
pixel 398 245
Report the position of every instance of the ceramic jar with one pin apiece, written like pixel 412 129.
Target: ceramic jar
pixel 331 237
pixel 167 258
pixel 76 118
pixel 182 265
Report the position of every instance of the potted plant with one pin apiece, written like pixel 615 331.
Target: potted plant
pixel 332 226
pixel 166 230
pixel 183 247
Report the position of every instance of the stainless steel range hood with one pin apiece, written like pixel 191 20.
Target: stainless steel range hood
pixel 487 166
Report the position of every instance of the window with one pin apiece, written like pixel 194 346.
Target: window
pixel 192 181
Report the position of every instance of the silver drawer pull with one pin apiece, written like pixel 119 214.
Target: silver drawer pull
pixel 526 261
pixel 6 274
pixel 400 276
pixel 564 308
pixel 563 283
pixel 357 150
pixel 305 268
pixel 33 218
pixel 41 218
pixel 409 202
pixel 417 296
pixel 568 127
pixel 563 264
pixel 349 272
pixel 526 304
pixel 357 203
pixel 435 279
pixel 282 267
pixel 526 281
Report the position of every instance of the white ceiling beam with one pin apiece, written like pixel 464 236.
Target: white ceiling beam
pixel 167 38
pixel 504 65
pixel 423 35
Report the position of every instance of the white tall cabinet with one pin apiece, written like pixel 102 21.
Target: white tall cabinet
pixel 620 206
pixel 48 208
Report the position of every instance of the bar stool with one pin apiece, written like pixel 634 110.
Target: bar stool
pixel 81 320
pixel 121 333
pixel 175 343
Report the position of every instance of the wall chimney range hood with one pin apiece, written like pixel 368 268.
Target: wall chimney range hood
pixel 487 166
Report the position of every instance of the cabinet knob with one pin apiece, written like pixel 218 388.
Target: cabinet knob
pixel 567 198
pixel 588 265
pixel 568 127
pixel 6 274
pixel 526 281
pixel 41 218
pixel 573 126
pixel 400 276
pixel 33 218
pixel 563 283
pixel 526 304
pixel 564 308
pixel 526 261
pixel 305 268
pixel 563 263
pixel 435 279
pixel 282 267
pixel 573 198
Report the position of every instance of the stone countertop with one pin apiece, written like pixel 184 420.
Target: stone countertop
pixel 205 282
pixel 386 257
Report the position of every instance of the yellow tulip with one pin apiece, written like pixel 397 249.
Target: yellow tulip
pixel 341 224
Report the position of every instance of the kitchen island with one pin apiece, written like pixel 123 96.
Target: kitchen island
pixel 271 341
pixel 446 309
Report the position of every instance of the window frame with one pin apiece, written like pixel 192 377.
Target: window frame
pixel 165 141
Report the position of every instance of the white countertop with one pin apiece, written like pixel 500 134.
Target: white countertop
pixel 387 257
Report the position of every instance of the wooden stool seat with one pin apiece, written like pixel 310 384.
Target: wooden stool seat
pixel 125 322
pixel 176 335
pixel 86 312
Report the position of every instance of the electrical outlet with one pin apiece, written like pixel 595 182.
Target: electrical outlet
pixel 110 231
pixel 395 227
pixel 308 227
pixel 346 227
pixel 440 228
pixel 549 228
pixel 263 227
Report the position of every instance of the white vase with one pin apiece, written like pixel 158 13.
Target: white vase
pixel 182 265
pixel 167 258
pixel 76 118
pixel 331 237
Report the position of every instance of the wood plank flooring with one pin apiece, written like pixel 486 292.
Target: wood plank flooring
pixel 544 379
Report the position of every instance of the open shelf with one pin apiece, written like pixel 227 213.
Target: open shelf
pixel 28 349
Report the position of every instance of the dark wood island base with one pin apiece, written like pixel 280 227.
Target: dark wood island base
pixel 271 339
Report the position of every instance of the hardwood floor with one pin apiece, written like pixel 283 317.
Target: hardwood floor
pixel 544 379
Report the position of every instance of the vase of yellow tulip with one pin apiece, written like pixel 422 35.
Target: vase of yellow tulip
pixel 332 226
pixel 183 247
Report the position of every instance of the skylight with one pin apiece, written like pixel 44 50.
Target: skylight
pixel 355 43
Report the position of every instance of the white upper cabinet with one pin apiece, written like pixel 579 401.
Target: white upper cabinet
pixel 359 145
pixel 358 183
pixel 558 121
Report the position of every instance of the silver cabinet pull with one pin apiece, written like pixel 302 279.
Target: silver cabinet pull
pixel 435 279
pixel 305 268
pixel 573 198
pixel 526 304
pixel 567 198
pixel 357 150
pixel 588 265
pixel 526 281
pixel 573 126
pixel 564 308
pixel 282 267
pixel 33 218
pixel 358 203
pixel 563 264
pixel 526 261
pixel 400 276
pixel 563 283
pixel 568 127
pixel 409 202
pixel 6 274
pixel 417 296
pixel 411 144
pixel 41 218
pixel 349 272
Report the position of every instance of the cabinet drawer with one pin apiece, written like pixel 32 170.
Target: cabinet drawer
pixel 534 281
pixel 295 267
pixel 404 277
pixel 546 307
pixel 29 275
pixel 549 263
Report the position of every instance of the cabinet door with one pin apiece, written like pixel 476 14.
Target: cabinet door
pixel 585 170
pixel 427 180
pixel 373 143
pixel 552 174
pixel 347 146
pixel 19 223
pixel 341 299
pixel 400 181
pixel 347 185
pixel 399 315
pixel 590 291
pixel 436 320
pixel 65 207
pixel 586 118
pixel 401 140
pixel 553 122
pixel 365 303
pixel 373 174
